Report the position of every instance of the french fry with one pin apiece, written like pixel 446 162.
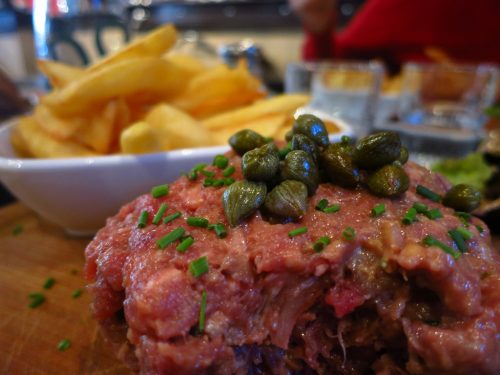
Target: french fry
pixel 59 74
pixel 191 66
pixel 218 89
pixel 41 145
pixel 280 104
pixel 153 44
pixel 267 126
pixel 57 126
pixel 177 127
pixel 97 134
pixel 157 77
pixel 141 138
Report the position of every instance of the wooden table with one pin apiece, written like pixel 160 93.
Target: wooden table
pixel 29 337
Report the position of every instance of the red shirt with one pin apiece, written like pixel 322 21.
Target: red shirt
pixel 400 30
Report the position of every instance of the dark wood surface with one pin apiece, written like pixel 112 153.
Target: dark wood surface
pixel 29 337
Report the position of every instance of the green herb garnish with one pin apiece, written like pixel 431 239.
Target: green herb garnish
pixel 18 229
pixel 349 233
pixel 199 222
pixel 228 181
pixel 458 239
pixel 378 210
pixel 49 283
pixel 185 244
pixel 433 214
pixel 322 204
pixel 332 208
pixel 297 231
pixel 172 217
pixel 203 311
pixel 143 219
pixel 159 213
pixel 219 229
pixel 228 171
pixel 427 193
pixel 76 293
pixel 63 345
pixel 420 207
pixel 321 243
pixel 431 241
pixel 466 235
pixel 173 236
pixel 410 216
pixel 159 191
pixel 220 161
pixel 199 266
pixel 36 299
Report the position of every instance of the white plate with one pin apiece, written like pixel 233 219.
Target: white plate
pixel 80 193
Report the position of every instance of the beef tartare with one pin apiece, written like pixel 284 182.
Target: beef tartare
pixel 355 283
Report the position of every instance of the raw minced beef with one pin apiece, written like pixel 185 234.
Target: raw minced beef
pixel 381 303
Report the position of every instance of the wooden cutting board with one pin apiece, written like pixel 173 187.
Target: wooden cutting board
pixel 29 337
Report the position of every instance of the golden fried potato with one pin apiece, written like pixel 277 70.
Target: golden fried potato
pixel 41 145
pixel 280 104
pixel 268 126
pixel 58 126
pixel 153 44
pixel 59 74
pixel 191 66
pixel 157 77
pixel 218 89
pixel 141 138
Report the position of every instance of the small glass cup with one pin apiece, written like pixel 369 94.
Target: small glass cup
pixel 348 90
pixel 447 95
pixel 78 32
pixel 298 77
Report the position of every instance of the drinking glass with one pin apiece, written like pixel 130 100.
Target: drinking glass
pixel 447 95
pixel 78 32
pixel 348 90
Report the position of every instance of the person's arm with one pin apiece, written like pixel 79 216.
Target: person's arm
pixel 318 18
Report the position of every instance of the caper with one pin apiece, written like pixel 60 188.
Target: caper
pixel 312 127
pixel 336 161
pixel 289 135
pixel 300 166
pixel 246 140
pixel 462 197
pixel 403 155
pixel 388 181
pixel 261 164
pixel 241 199
pixel 301 142
pixel 288 199
pixel 377 150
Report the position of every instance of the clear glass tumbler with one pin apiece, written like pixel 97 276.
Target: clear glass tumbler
pixel 78 32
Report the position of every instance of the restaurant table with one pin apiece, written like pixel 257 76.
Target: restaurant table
pixel 31 251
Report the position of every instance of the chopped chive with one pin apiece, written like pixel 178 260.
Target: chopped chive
pixel 63 345
pixel 466 235
pixel 192 175
pixel 320 244
pixel 170 238
pixel 76 293
pixel 209 181
pixel 479 228
pixel 219 229
pixel 36 299
pixel 428 193
pixel 159 191
pixel 228 171
pixel 218 183
pixel 199 167
pixel 433 214
pixel 349 233
pixel 345 139
pixel 200 222
pixel 332 208
pixel 420 207
pixel 464 216
pixel 49 283
pixel 220 161
pixel 18 229
pixel 199 266
pixel 378 209
pixel 143 219
pixel 207 173
pixel 228 181
pixel 458 239
pixel 431 241
pixel 297 232
pixel 410 216
pixel 203 311
pixel 172 217
pixel 184 245
pixel 159 214
pixel 322 204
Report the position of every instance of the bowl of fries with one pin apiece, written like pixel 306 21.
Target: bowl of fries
pixel 136 119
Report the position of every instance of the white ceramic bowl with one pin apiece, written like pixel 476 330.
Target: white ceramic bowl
pixel 80 193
